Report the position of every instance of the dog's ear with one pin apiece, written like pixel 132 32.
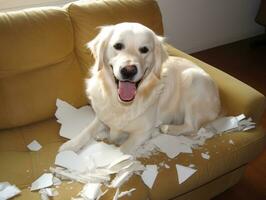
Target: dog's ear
pixel 161 55
pixel 98 44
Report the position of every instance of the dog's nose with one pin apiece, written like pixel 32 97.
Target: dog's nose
pixel 129 71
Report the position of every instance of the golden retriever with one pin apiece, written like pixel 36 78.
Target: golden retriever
pixel 136 87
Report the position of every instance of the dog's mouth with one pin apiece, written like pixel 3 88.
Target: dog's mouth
pixel 127 90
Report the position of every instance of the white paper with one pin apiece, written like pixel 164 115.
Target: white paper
pixel 72 120
pixel 170 145
pixel 44 181
pixel 91 191
pixel 101 153
pixel 70 160
pixel 184 173
pixel 46 193
pixel 205 156
pixel 116 194
pixel 149 175
pixel 119 160
pixel 8 191
pixel 231 142
pixel 34 146
pixel 166 166
pixel 56 181
pixel 121 178
pixel 128 193
pixel 4 185
pixel 224 124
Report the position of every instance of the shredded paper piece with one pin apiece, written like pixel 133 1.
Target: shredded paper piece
pixel 44 181
pixel 46 193
pixel 149 175
pixel 8 191
pixel 34 146
pixel 91 191
pixel 184 173
pixel 72 120
pixel 205 156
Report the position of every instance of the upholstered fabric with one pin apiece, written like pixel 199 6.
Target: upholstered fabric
pixel 43 58
pixel 37 65
pixel 21 167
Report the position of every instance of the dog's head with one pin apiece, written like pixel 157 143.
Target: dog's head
pixel 129 52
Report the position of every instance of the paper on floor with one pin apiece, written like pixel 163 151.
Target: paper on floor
pixel 72 120
pixel 34 146
pixel 44 181
pixel 8 191
pixel 184 173
pixel 149 175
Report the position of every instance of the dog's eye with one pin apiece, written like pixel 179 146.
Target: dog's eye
pixel 143 49
pixel 119 46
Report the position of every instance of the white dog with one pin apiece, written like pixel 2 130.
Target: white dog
pixel 136 87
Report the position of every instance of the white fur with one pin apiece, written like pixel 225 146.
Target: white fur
pixel 172 90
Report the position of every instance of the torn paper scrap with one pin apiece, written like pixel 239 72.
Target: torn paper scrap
pixel 116 194
pixel 170 145
pixel 128 193
pixel 101 153
pixel 231 142
pixel 80 177
pixel 184 173
pixel 224 124
pixel 149 175
pixel 44 181
pixel 72 120
pixel 8 191
pixel 46 193
pixel 205 156
pixel 34 146
pixel 229 124
pixel 91 191
pixel 70 160
pixel 3 185
pixel 192 166
pixel 121 178
pixel 120 160
pixel 56 181
pixel 166 166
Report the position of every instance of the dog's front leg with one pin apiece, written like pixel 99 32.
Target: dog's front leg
pixel 135 140
pixel 84 137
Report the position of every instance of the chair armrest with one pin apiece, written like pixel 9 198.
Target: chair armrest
pixel 236 96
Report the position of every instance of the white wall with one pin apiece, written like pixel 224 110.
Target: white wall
pixel 194 25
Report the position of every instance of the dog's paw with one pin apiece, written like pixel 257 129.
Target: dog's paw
pixel 164 128
pixel 69 146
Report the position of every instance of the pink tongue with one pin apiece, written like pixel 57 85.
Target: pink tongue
pixel 126 91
